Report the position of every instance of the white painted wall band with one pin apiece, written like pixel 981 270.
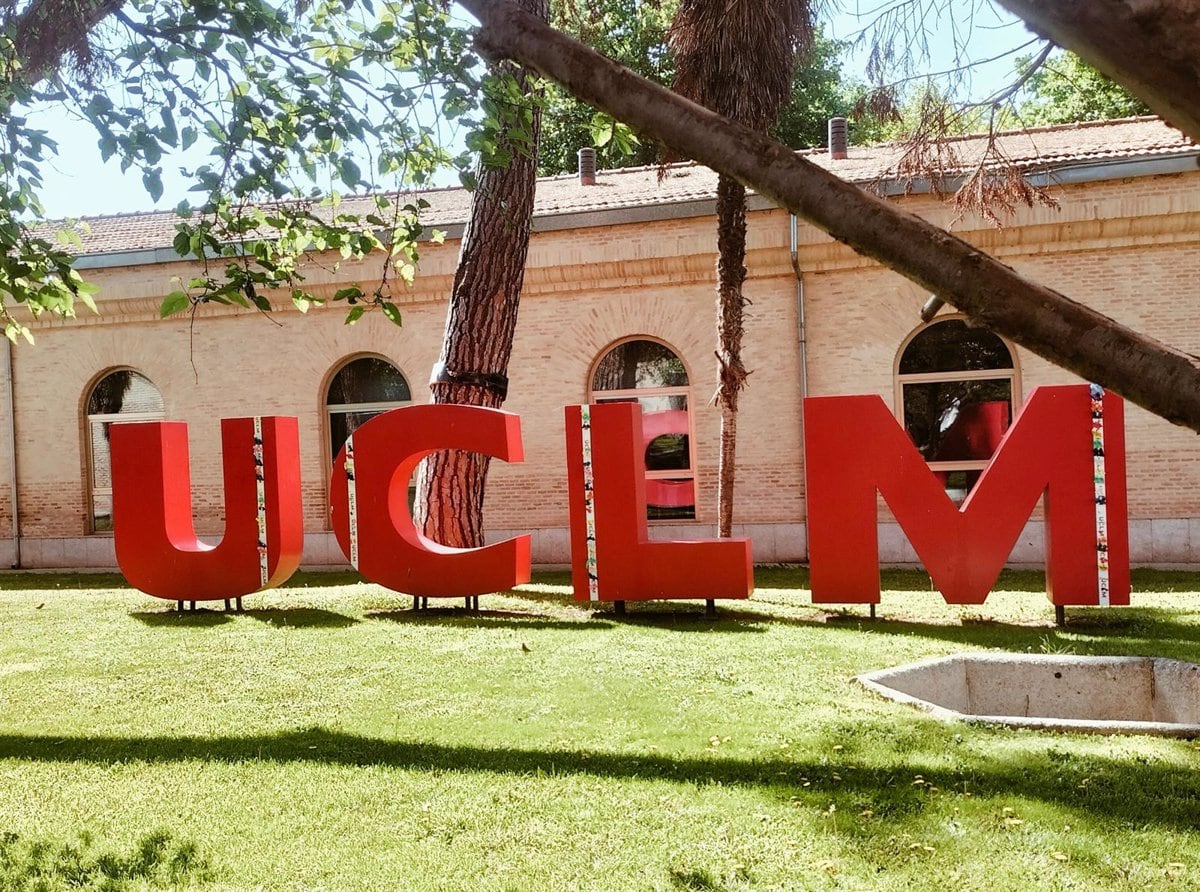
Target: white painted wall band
pixel 260 494
pixel 589 503
pixel 1101 495
pixel 351 502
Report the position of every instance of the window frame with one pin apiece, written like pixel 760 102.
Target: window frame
pixel 328 410
pixel 636 393
pixel 91 490
pixel 1012 375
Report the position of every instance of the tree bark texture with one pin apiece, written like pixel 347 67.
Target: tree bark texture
pixel 473 367
pixel 736 59
pixel 1159 378
pixel 731 303
pixel 50 33
pixel 1152 47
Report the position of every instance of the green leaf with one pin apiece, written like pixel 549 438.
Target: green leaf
pixel 174 303
pixel 355 314
pixel 152 180
pixel 392 312
pixel 169 134
pixel 351 293
pixel 601 129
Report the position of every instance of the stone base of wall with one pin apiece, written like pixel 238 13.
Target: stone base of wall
pixel 1169 543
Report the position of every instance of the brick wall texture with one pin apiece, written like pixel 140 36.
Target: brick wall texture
pixel 1129 248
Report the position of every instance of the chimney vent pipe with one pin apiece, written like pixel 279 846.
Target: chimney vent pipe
pixel 587 167
pixel 839 139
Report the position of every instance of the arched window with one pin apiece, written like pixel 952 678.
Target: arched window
pixel 123 395
pixel 956 388
pixel 652 375
pixel 361 389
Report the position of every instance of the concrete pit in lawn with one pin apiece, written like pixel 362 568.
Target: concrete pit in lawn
pixel 1100 695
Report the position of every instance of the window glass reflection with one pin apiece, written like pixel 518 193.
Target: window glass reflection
pixel 952 346
pixel 362 389
pixel 624 375
pixel 639 364
pixel 124 396
pixel 956 387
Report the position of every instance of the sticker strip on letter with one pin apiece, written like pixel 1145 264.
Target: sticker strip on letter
pixel 1097 395
pixel 351 502
pixel 260 487
pixel 589 505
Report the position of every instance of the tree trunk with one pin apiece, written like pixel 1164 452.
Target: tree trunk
pixel 731 274
pixel 1161 379
pixel 473 367
pixel 1149 46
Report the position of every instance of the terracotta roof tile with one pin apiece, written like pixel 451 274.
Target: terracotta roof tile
pixel 1036 149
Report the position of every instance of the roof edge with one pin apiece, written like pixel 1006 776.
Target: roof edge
pixel 1070 173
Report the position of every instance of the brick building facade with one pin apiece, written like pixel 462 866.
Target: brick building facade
pixel 630 259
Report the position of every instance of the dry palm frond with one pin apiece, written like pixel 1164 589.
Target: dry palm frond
pixel 927 153
pixel 997 183
pixel 736 57
pixel 56 36
pixel 881 104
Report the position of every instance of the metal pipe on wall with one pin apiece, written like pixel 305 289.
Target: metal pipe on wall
pixel 802 337
pixel 801 331
pixel 10 426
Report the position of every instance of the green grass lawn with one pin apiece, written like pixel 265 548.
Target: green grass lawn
pixel 331 738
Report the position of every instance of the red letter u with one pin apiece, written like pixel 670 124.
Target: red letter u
pixel 156 543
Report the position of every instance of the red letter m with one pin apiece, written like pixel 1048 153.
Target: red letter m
pixel 1062 443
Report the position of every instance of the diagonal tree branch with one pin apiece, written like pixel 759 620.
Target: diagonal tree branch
pixel 1161 379
pixel 1152 47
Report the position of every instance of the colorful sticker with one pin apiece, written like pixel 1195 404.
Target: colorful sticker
pixel 260 487
pixel 351 501
pixel 1097 395
pixel 589 504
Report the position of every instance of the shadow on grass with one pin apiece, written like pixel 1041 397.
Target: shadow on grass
pixel 695 878
pixel 289 618
pixel 1144 579
pixel 172 618
pixel 1136 792
pixel 1145 631
pixel 664 615
pixel 1148 631
pixel 301 618
pixel 484 619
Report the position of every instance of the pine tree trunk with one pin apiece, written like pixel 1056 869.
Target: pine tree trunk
pixel 473 367
pixel 731 274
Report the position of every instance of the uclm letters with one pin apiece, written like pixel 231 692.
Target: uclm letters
pixel 1066 443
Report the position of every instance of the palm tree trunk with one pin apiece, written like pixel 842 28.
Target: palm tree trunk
pixel 473 367
pixel 731 274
